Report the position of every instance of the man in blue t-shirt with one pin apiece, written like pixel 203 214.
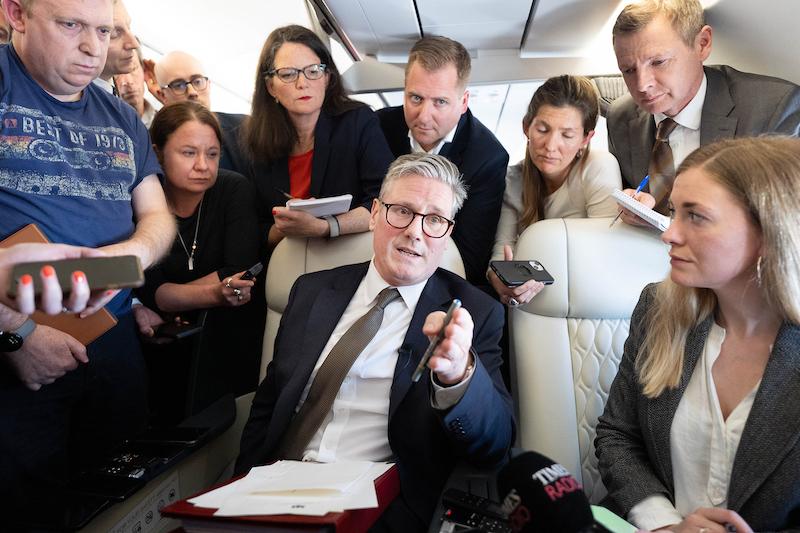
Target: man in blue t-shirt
pixel 78 163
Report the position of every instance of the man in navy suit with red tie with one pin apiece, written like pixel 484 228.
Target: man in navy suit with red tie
pixel 459 409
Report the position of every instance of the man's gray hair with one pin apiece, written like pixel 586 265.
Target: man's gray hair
pixel 430 166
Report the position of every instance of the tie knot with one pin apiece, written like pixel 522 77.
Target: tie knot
pixel 665 127
pixel 387 296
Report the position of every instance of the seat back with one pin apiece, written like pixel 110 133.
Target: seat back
pixel 296 256
pixel 567 342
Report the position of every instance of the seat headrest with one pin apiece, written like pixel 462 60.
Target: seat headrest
pixel 599 271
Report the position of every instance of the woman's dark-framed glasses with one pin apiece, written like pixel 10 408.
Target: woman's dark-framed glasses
pixel 290 74
pixel 400 217
pixel 200 84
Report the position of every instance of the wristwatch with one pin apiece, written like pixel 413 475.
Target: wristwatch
pixel 11 341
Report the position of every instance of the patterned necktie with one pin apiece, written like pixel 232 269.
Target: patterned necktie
pixel 330 376
pixel 662 166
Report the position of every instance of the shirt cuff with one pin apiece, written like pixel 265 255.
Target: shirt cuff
pixel 654 512
pixel 446 397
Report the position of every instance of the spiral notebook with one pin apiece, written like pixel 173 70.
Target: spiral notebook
pixel 654 218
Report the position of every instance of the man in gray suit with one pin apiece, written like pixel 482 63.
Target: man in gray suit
pixel 660 47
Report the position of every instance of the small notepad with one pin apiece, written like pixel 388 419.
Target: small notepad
pixel 654 218
pixel 320 207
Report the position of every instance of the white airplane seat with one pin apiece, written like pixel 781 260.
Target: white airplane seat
pixel 567 342
pixel 296 256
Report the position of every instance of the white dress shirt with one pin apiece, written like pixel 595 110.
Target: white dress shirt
pixel 357 426
pixel 416 148
pixel 685 138
pixel 703 446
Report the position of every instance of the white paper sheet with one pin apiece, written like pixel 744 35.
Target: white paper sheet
pixel 293 487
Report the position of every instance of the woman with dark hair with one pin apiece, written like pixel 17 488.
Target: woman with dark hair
pixel 306 138
pixel 559 177
pixel 217 241
pixel 217 238
pixel 700 431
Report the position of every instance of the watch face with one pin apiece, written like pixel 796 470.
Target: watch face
pixel 10 342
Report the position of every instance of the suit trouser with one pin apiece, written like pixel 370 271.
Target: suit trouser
pixel 49 434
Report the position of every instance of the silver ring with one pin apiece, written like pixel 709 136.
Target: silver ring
pixel 238 293
pixel 228 282
pixel 512 302
pixel 704 530
pixel 239 297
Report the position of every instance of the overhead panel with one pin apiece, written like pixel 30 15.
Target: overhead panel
pixel 568 27
pixel 380 28
pixel 477 24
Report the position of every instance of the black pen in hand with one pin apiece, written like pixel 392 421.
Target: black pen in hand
pixel 284 193
pixel 435 341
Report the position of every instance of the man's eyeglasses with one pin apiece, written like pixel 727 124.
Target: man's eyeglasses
pixel 200 84
pixel 400 217
pixel 290 74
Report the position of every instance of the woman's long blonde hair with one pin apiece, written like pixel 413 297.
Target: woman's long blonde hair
pixel 763 174
pixel 560 91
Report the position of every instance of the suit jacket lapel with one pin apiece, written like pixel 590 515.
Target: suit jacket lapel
pixel 323 315
pixel 433 298
pixel 771 430
pixel 642 134
pixel 661 411
pixel 717 120
pixel 322 148
pixel 454 151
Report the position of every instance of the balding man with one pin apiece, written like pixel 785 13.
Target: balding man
pixel 181 76
pixel 121 58
pixel 78 163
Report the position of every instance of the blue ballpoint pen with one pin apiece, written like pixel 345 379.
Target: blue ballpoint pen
pixel 638 190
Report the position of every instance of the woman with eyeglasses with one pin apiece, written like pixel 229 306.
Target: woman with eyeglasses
pixel 307 139
pixel 559 177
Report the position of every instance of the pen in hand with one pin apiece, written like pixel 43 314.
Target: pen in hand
pixel 284 193
pixel 435 341
pixel 638 190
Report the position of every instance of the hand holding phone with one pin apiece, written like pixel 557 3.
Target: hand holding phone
pixel 517 285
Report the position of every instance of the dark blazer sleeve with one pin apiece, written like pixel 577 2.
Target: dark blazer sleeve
pixel 484 169
pixel 241 240
pixel 481 425
pixel 624 459
pixel 374 157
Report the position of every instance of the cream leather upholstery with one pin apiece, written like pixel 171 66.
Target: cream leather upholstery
pixel 293 257
pixel 567 342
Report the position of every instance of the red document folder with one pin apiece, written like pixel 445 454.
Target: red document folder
pixel 387 487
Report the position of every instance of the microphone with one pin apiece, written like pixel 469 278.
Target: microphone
pixel 542 496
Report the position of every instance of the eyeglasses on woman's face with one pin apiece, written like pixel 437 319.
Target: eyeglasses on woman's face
pixel 290 74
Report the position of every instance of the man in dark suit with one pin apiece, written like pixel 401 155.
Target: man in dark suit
pixel 179 76
pixel 434 118
pixel 458 410
pixel 660 47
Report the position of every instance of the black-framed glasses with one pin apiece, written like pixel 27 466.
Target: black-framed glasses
pixel 400 217
pixel 200 84
pixel 290 74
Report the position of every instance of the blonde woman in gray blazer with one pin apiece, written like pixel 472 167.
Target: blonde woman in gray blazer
pixel 701 430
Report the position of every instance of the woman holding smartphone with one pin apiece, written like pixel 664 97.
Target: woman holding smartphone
pixel 217 242
pixel 559 177
pixel 306 138
pixel 700 431
pixel 217 230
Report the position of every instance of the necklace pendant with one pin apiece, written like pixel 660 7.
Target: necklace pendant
pixel 191 263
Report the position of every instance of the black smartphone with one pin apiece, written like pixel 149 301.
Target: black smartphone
pixel 175 330
pixel 102 273
pixel 253 271
pixel 515 273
